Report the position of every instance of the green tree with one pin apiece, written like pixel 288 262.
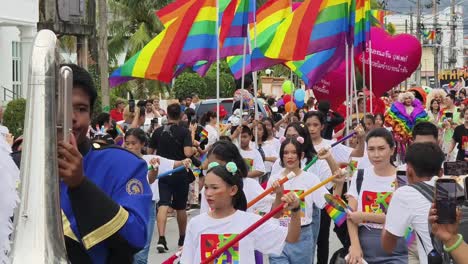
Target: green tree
pixel 188 83
pixel 132 25
pixel 13 118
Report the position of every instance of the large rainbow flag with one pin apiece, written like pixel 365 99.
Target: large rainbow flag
pixel 156 61
pixel 268 18
pixel 360 24
pixel 291 38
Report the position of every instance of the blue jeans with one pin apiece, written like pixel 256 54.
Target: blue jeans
pixel 315 227
pixel 298 252
pixel 142 256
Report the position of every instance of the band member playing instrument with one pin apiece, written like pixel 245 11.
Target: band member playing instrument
pixel 105 195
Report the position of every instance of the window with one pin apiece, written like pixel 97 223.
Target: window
pixel 16 69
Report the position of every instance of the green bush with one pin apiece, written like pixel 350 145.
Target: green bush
pixel 13 118
pixel 188 83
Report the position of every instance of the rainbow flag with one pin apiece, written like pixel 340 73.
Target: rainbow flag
pixel 119 129
pixel 317 65
pixel 290 42
pixel 200 48
pixel 203 135
pixel 377 17
pixel 331 26
pixel 268 17
pixel 156 61
pixel 203 157
pixel 359 24
pixel 339 217
pixel 410 236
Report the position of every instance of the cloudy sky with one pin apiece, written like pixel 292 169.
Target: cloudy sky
pixel 404 6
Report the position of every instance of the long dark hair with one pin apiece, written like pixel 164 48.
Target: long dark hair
pixel 299 149
pixel 207 117
pixel 226 151
pixel 430 106
pixel 265 133
pixel 239 201
pixel 309 150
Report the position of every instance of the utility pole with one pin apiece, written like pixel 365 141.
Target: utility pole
pixel 436 44
pixel 453 52
pixel 406 31
pixel 102 61
pixel 418 35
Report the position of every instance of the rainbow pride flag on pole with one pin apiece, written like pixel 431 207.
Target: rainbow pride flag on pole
pixel 203 135
pixel 268 18
pixel 339 217
pixel 290 41
pixel 156 61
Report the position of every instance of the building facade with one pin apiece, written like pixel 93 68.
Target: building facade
pixel 18 20
pixel 449 56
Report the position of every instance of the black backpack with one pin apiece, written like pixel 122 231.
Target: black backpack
pixel 428 192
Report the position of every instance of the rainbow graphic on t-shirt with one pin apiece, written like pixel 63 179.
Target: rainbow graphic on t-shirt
pixel 376 202
pixel 250 163
pixel 286 217
pixel 209 244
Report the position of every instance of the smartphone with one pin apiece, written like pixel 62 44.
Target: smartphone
pixel 449 115
pixel 154 121
pixel 455 168
pixel 466 188
pixel 446 201
pixel 402 179
pixel 131 105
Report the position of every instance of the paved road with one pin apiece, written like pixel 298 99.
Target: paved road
pixel 172 237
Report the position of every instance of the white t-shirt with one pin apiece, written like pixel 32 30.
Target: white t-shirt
pixel 253 159
pixel 164 165
pixel 410 208
pixel 4 130
pixel 212 134
pixel 251 189
pixel 376 193
pixel 320 168
pixel 204 234
pixel 270 149
pixel 299 184
pixel 340 152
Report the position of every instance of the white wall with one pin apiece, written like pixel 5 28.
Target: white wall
pixel 19 11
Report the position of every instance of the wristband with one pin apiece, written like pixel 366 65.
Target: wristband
pixel 294 210
pixel 454 246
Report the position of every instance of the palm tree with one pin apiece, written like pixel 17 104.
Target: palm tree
pixel 132 24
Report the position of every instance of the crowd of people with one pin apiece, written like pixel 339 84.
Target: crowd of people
pixel 229 164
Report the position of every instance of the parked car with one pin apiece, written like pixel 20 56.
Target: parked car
pixel 228 103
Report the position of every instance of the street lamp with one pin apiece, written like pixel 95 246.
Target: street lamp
pixel 268 72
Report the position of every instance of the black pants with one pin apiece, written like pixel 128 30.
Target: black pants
pixel 323 238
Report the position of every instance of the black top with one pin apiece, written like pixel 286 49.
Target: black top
pixel 460 136
pixel 169 141
pixel 333 120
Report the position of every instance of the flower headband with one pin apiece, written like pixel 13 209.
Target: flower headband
pixel 230 166
pixel 299 139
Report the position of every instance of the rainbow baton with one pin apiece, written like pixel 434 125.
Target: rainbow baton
pixel 262 220
pixel 332 145
pixel 269 190
pixel 167 173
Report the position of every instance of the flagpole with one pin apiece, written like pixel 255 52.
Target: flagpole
pixel 217 68
pixel 370 75
pixel 254 73
pixel 241 106
pixel 364 78
pixel 353 76
pixel 347 89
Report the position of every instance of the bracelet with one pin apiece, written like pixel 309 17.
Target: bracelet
pixel 454 246
pixel 294 210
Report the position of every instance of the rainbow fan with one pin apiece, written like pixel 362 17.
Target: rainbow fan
pixel 336 208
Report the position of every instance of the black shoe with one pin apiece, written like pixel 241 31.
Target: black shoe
pixel 181 240
pixel 162 245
